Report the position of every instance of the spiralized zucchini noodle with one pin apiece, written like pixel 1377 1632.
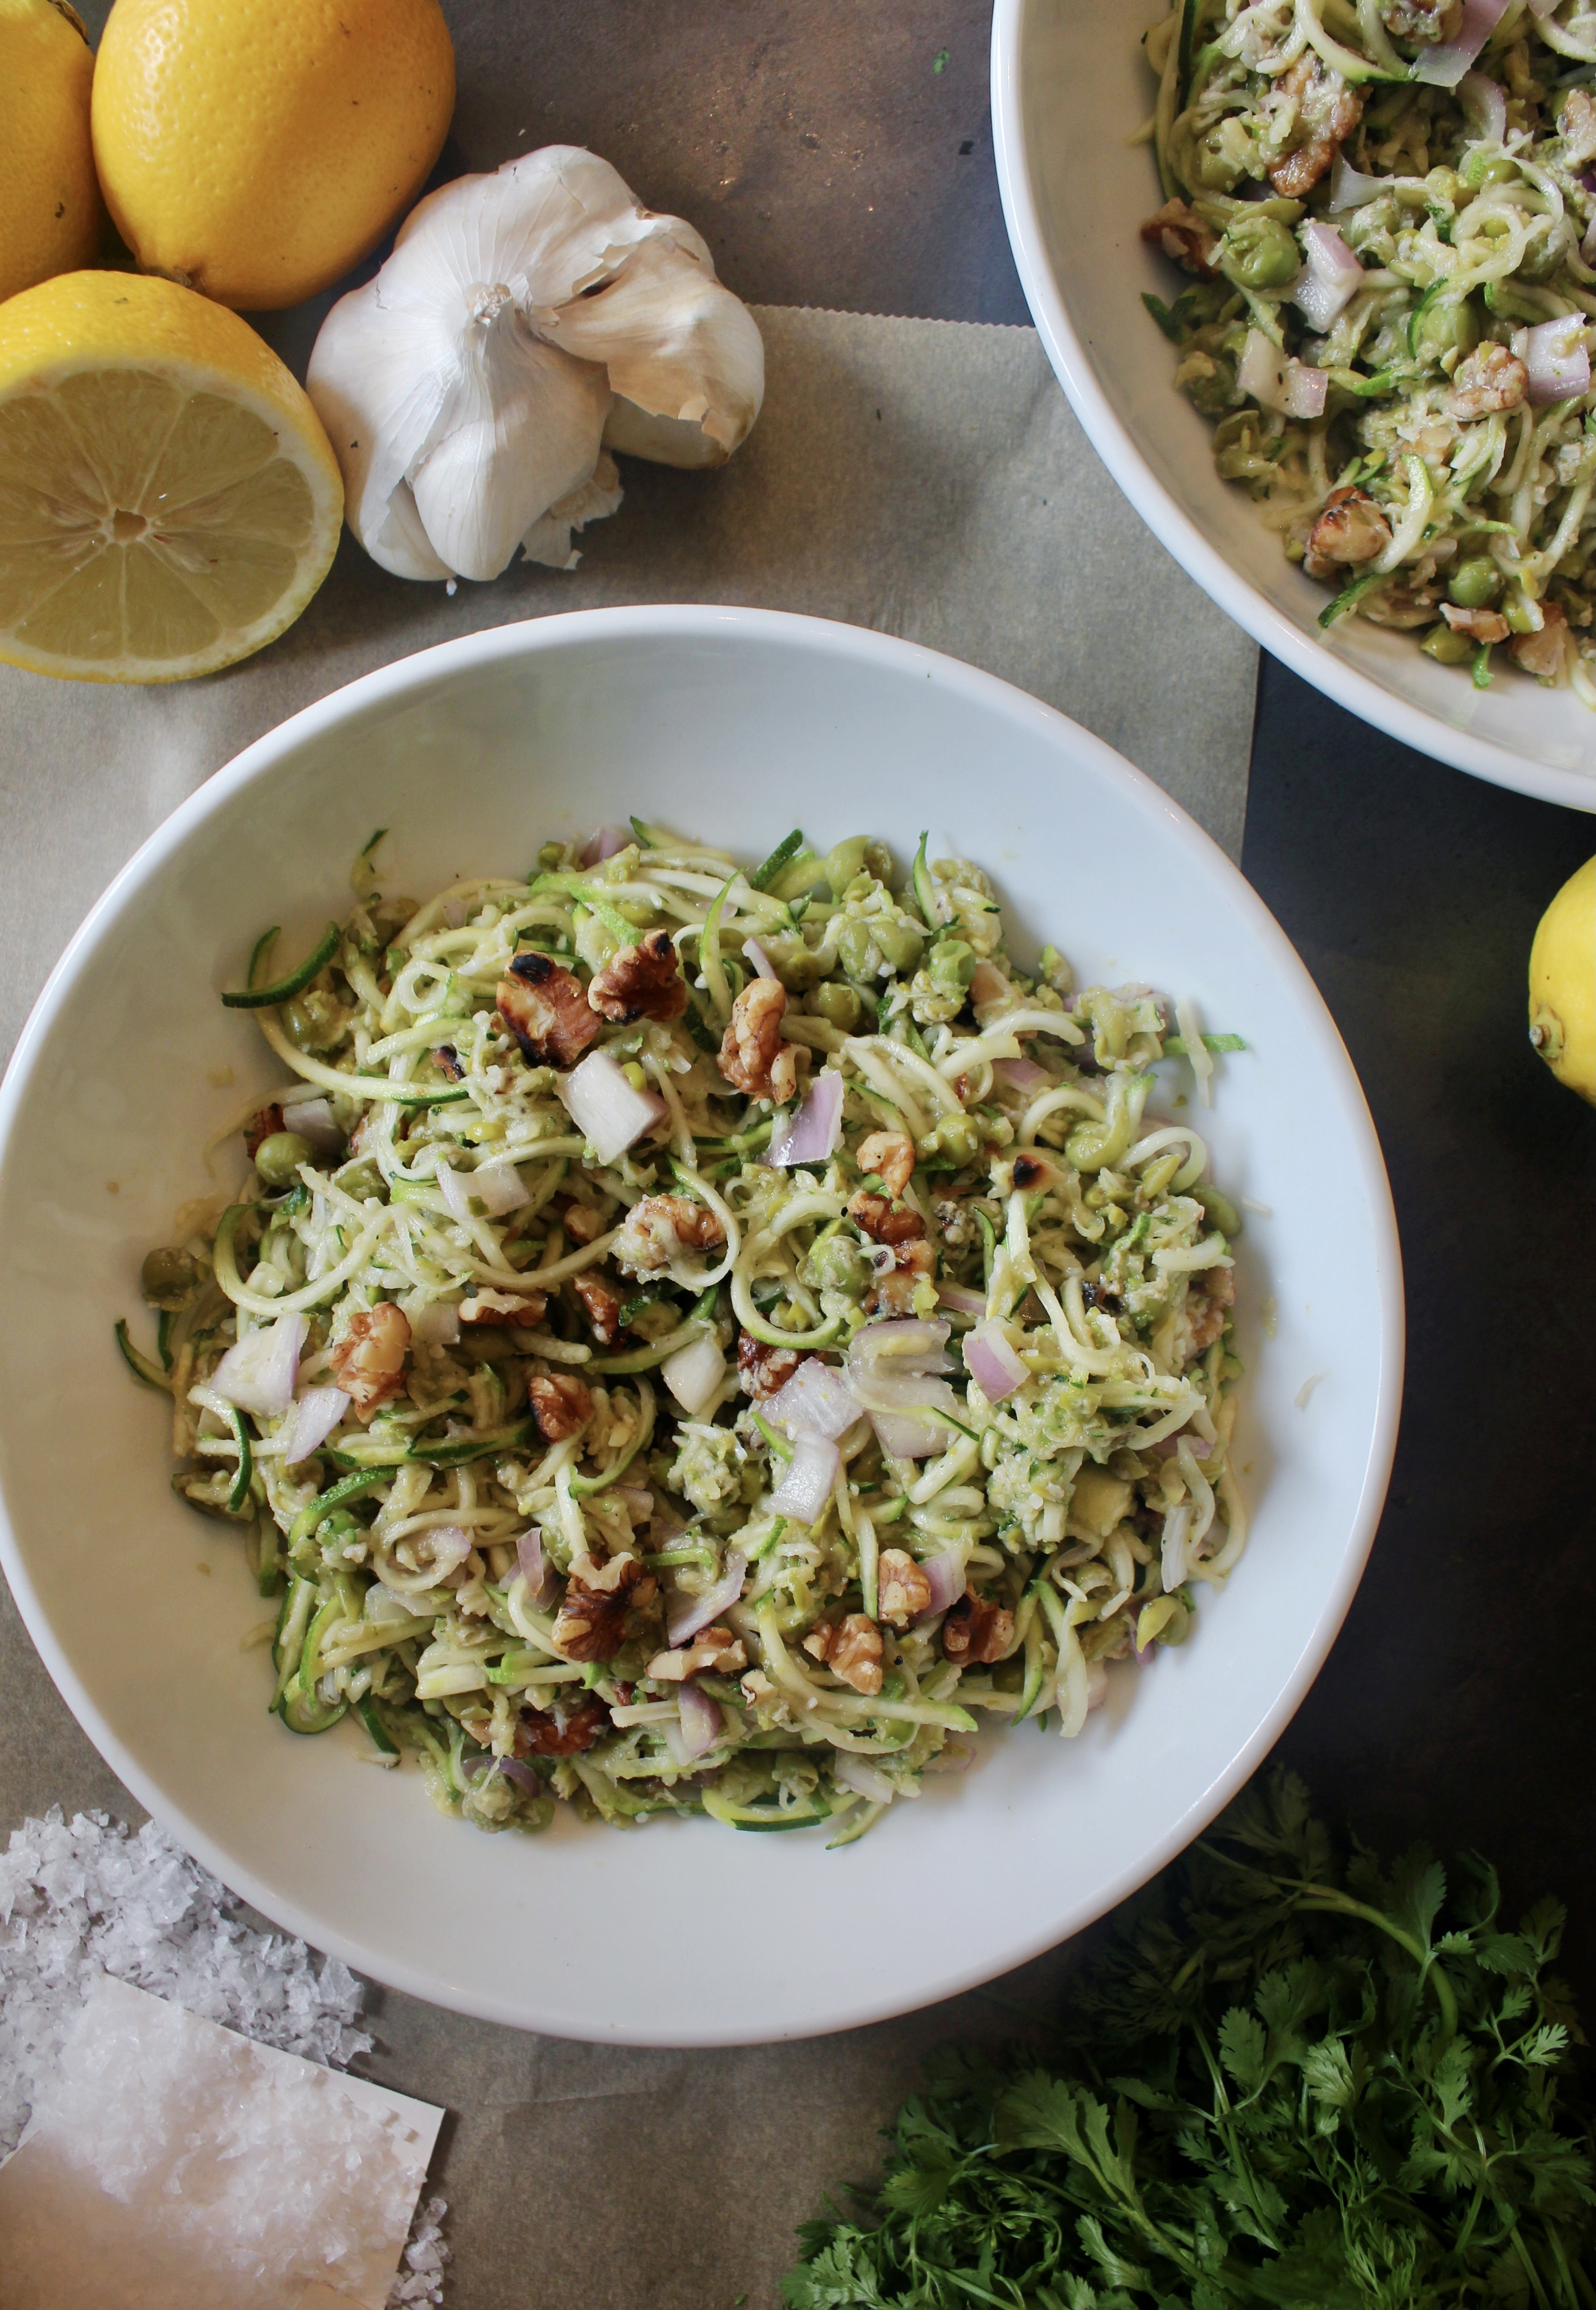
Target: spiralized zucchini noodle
pixel 1389 209
pixel 689 1340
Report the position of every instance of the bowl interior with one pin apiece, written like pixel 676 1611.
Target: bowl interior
pixel 733 725
pixel 1069 85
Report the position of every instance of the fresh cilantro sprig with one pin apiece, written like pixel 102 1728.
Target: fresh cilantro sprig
pixel 1296 2079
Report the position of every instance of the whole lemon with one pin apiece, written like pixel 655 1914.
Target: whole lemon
pixel 255 150
pixel 50 212
pixel 1563 983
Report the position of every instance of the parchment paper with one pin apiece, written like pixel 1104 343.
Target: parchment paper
pixel 925 477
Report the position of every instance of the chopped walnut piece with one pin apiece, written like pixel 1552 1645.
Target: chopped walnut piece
pixel 641 982
pixel 657 1232
pixel 1576 125
pixel 890 1155
pixel 976 1632
pixel 1352 529
pixel 1543 653
pixel 260 1126
pixel 602 1304
pixel 902 1589
pixel 1205 1310
pixel 563 1730
pixel 875 1217
pixel 370 1359
pixel 545 1007
pixel 591 1622
pixel 1479 625
pixel 896 1269
pixel 1422 19
pixel 753 1058
pixel 445 1058
pixel 851 1649
pixel 503 1307
pixel 716 1648
pixel 1491 380
pixel 762 1370
pixel 580 1221
pixel 1182 237
pixel 1327 111
pixel 560 1404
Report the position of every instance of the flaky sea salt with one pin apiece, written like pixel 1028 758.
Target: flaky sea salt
pixel 84 1898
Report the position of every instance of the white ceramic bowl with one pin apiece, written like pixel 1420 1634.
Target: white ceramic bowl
pixel 1069 84
pixel 734 723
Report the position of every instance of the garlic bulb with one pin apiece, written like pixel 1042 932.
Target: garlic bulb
pixel 526 324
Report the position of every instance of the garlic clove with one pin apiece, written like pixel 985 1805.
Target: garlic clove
pixel 522 430
pixel 548 540
pixel 678 346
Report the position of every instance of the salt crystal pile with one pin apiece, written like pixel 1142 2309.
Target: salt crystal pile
pixel 84 1899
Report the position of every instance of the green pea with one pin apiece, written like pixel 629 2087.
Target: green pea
pixel 169 1278
pixel 1480 170
pixel 1519 614
pixel 959 1136
pixel 311 1021
pixel 861 853
pixel 951 964
pixel 901 942
pixel 1446 647
pixel 1214 168
pixel 837 1004
pixel 1475 582
pixel 1258 253
pixel 854 945
pixel 277 1159
pixel 1447 325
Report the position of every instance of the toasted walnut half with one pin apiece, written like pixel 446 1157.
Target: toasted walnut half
pixel 890 1155
pixel 545 1007
pixel 641 982
pixel 602 1305
pixel 881 1220
pixel 902 1589
pixel 370 1359
pixel 658 1231
pixel 591 1622
pixel 851 1649
pixel 977 1632
pixel 753 1058
pixel 761 1371
pixel 560 1404
pixel 503 1307
pixel 562 1731
pixel 716 1648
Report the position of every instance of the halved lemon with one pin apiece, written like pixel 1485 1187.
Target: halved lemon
pixel 169 502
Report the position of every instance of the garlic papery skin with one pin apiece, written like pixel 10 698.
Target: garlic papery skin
pixel 526 324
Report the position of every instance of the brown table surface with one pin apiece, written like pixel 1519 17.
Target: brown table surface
pixel 830 161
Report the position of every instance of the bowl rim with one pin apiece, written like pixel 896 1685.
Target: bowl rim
pixel 1238 596
pixel 688 622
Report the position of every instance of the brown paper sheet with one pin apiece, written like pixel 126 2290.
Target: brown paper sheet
pixel 924 477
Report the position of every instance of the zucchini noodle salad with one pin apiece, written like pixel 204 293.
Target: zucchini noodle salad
pixel 689 1339
pixel 1389 207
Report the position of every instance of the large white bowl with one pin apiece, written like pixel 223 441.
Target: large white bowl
pixel 1069 84
pixel 734 723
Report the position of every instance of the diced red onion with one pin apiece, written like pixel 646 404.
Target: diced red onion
pixel 810 1134
pixel 535 1569
pixel 1485 101
pixel 1350 189
pixel 701 1720
pixel 1024 1074
pixel 310 1422
pixel 1274 382
pixel 639 1501
pixel 987 985
pixel 498 1186
pixel 907 1438
pixel 866 1780
pixel 1553 353
pixel 1328 278
pixel 447 1544
pixel 960 1299
pixel 881 1389
pixel 815 1398
pixel 605 1107
pixel 438 1324
pixel 1444 65
pixel 694 1374
pixel 992 1363
pixel 474 1767
pixel 312 1118
pixel 687 1615
pixel 945 1574
pixel 603 843
pixel 807 1478
pixel 257 1373
pixel 523 1776
pixel 907 1342
pixel 759 958
pixel 454 913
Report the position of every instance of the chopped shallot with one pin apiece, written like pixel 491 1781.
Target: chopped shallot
pixel 605 1107
pixel 993 1361
pixel 807 1478
pixel 810 1133
pixel 759 958
pixel 945 1574
pixel 694 1374
pixel 815 1398
pixel 310 1422
pixel 702 1724
pixel 603 842
pixel 257 1373
pixel 499 1187
pixel 686 1615
pixel 1444 65
pixel 1555 356
pixel 312 1119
